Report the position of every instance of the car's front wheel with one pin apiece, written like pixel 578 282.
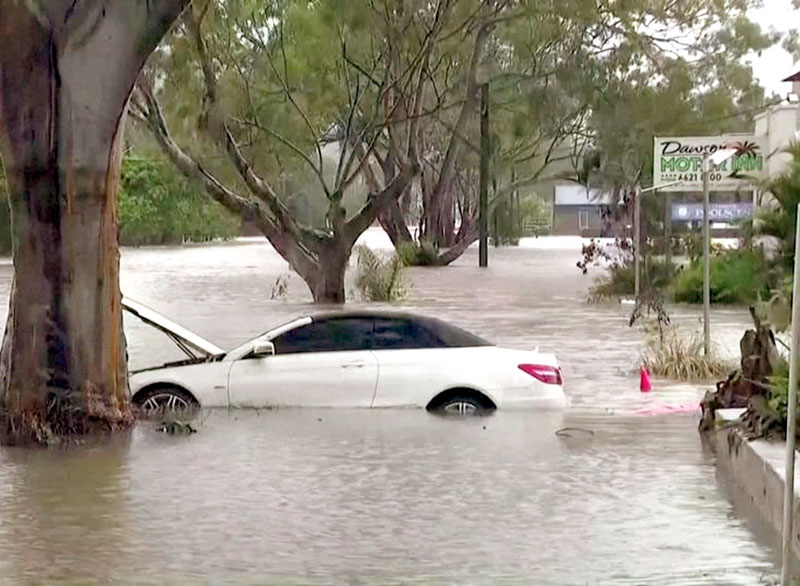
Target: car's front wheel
pixel 160 400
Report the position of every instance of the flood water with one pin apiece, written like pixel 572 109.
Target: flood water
pixel 390 496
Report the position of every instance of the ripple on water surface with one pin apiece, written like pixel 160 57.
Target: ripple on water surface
pixel 319 497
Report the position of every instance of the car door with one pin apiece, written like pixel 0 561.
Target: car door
pixel 414 363
pixel 325 363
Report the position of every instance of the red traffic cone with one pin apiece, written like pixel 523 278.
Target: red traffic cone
pixel 644 381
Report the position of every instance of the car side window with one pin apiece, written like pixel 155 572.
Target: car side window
pixel 328 335
pixel 403 333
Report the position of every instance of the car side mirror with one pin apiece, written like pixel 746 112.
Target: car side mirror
pixel 263 348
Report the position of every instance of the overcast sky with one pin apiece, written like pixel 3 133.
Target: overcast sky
pixel 776 64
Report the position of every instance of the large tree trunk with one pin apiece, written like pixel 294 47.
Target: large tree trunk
pixel 66 71
pixel 327 281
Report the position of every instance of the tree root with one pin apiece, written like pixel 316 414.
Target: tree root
pixel 63 420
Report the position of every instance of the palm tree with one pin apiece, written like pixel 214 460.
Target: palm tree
pixel 778 219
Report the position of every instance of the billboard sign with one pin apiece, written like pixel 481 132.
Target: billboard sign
pixel 681 159
pixel 717 212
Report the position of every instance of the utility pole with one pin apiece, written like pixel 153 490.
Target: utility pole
pixel 791 422
pixel 483 187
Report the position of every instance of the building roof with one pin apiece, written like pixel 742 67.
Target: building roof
pixel 572 194
pixel 795 77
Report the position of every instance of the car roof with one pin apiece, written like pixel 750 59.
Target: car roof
pixel 368 313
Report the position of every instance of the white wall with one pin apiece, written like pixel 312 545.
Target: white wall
pixel 779 124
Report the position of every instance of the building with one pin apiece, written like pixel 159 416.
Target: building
pixel 578 210
pixel 779 125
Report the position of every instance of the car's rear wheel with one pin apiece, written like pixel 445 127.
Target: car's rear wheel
pixel 461 402
pixel 462 406
pixel 160 400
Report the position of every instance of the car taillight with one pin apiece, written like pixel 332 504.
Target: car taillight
pixel 544 372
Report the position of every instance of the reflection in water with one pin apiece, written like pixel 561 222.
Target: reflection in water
pixel 62 509
pixel 302 496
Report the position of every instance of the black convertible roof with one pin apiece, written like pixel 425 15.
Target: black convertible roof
pixel 451 334
pixel 373 313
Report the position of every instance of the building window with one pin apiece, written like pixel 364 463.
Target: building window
pixel 583 219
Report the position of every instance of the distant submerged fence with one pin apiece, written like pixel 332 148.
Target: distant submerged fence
pixel 538 224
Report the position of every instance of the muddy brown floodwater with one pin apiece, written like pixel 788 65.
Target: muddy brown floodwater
pixel 389 497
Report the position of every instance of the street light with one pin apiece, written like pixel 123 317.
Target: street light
pixel 637 213
pixel 709 162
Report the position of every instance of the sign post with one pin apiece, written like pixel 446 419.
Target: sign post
pixel 706 259
pixel 718 163
pixel 681 159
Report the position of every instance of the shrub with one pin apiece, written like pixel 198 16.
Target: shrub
pixel 423 254
pixel 672 355
pixel 778 390
pixel 379 278
pixel 158 206
pixel 620 279
pixel 737 276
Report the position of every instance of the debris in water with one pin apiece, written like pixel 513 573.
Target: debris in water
pixel 573 431
pixel 176 428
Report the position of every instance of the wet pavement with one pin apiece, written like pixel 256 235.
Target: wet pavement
pixel 390 496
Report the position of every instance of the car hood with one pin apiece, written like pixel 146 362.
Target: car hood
pixel 185 339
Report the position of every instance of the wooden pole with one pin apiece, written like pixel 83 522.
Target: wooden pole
pixel 483 188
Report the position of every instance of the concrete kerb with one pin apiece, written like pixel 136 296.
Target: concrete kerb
pixel 755 471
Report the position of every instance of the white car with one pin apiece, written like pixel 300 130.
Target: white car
pixel 349 359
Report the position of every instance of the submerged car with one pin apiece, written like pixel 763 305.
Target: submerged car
pixel 369 359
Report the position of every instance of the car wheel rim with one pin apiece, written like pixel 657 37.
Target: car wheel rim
pixel 460 408
pixel 164 402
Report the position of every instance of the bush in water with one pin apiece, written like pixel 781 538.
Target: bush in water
pixel 379 278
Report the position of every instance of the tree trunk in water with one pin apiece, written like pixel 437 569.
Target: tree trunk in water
pixel 440 219
pixel 65 77
pixel 393 222
pixel 326 281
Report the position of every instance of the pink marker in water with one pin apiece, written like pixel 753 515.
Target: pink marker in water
pixel 644 381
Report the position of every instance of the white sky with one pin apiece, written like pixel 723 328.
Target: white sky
pixel 775 64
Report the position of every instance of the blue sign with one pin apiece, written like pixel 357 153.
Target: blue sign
pixel 717 212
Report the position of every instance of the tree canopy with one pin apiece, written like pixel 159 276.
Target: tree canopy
pixel 329 103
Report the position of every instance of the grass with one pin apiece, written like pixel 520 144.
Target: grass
pixel 380 278
pixel 675 356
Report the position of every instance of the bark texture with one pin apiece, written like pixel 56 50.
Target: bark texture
pixel 66 71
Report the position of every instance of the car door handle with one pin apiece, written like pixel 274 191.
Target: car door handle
pixel 354 365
